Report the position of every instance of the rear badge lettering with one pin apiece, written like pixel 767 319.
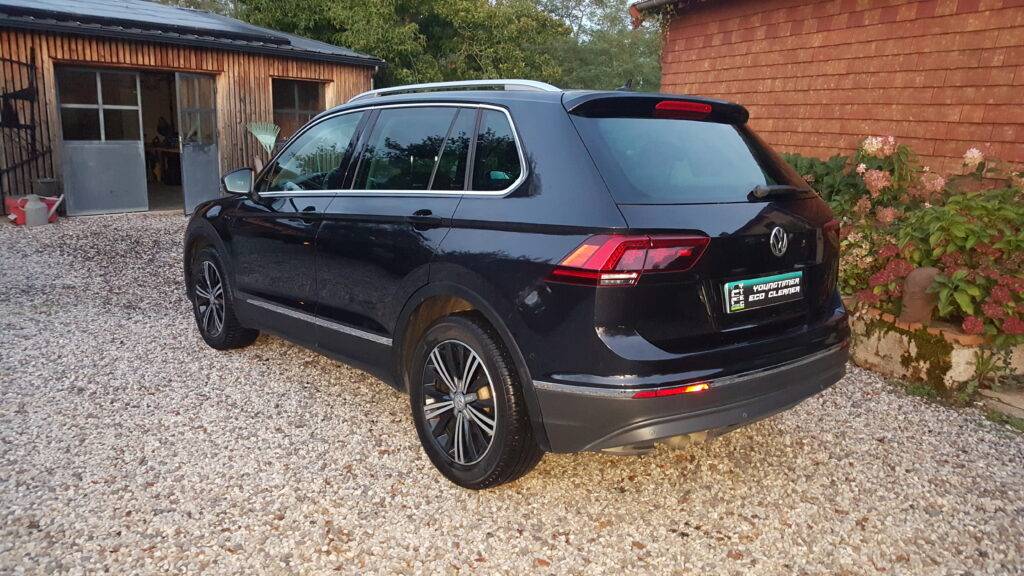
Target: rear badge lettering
pixel 759 292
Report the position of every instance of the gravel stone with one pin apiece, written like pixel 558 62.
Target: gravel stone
pixel 129 447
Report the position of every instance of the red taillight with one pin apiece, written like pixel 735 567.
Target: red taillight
pixel 620 260
pixel 675 109
pixel 698 387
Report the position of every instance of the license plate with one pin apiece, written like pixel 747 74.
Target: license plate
pixel 760 292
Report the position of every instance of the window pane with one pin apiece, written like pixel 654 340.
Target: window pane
pixel 403 148
pixel 451 169
pixel 121 124
pixel 187 92
pixel 309 96
pixel 204 88
pixel 497 160
pixel 198 127
pixel 80 123
pixel 670 161
pixel 76 86
pixel 314 160
pixel 283 94
pixel 119 89
pixel 290 123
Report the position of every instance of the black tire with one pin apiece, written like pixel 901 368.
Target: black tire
pixel 511 450
pixel 222 331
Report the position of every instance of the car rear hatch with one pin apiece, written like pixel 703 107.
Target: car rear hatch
pixel 764 259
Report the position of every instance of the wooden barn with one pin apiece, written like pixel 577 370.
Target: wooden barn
pixel 126 105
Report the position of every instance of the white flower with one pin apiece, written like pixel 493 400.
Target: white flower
pixel 862 168
pixel 973 157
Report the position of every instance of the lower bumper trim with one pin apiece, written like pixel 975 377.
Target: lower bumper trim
pixel 581 418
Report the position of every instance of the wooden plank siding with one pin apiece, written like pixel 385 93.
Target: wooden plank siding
pixel 243 91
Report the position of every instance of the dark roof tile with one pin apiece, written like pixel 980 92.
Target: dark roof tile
pixel 140 20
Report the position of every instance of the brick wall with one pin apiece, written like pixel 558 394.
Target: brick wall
pixel 940 75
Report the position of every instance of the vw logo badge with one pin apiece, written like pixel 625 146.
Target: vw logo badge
pixel 779 241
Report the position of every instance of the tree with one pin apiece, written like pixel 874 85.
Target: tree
pixel 426 40
pixel 606 51
pixel 225 7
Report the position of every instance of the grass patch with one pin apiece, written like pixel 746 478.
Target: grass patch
pixel 919 389
pixel 1011 421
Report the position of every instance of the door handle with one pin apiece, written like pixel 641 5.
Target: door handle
pixel 423 220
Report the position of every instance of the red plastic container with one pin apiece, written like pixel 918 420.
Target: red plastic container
pixel 16 206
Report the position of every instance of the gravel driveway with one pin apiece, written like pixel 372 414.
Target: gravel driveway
pixel 128 446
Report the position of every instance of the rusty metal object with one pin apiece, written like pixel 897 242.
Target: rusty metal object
pixel 918 303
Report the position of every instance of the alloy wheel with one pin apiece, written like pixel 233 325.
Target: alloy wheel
pixel 210 299
pixel 459 402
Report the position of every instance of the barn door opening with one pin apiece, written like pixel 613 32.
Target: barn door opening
pixel 104 167
pixel 200 158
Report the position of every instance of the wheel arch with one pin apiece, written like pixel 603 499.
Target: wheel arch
pixel 438 299
pixel 201 234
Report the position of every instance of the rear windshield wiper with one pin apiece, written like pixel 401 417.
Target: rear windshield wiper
pixel 759 192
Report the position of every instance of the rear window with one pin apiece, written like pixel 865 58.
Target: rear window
pixel 670 161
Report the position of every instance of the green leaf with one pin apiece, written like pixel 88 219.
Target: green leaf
pixel 965 302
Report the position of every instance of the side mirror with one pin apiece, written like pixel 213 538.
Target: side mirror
pixel 238 181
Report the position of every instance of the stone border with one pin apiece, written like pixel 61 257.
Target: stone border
pixel 942 356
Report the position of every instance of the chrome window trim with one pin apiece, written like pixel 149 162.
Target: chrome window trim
pixel 627 393
pixel 523 172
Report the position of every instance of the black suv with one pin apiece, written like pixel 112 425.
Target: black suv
pixel 540 270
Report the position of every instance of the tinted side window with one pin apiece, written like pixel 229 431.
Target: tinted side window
pixel 404 148
pixel 497 160
pixel 314 160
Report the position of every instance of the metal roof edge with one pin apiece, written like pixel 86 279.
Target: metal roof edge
pixel 198 41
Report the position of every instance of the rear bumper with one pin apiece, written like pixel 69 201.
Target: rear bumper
pixel 581 418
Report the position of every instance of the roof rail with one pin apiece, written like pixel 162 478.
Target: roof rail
pixel 532 85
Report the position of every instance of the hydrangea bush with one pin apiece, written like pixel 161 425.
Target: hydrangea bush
pixel 898 215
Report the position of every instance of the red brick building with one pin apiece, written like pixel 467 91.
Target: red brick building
pixel 940 75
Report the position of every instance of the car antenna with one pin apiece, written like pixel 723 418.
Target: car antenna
pixel 627 87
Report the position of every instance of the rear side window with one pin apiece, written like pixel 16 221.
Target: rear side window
pixel 497 164
pixel 404 148
pixel 672 161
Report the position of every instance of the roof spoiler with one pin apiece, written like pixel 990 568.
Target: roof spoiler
pixel 633 105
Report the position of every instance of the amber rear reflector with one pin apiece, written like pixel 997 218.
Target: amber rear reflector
pixel 698 387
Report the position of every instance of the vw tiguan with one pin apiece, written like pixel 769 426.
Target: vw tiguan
pixel 540 270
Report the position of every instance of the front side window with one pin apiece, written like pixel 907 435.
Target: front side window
pixel 497 163
pixel 417 149
pixel 315 160
pixel 295 102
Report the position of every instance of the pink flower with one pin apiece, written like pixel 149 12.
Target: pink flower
pixel 973 325
pixel 933 183
pixel 862 168
pixel 889 146
pixel 862 205
pixel 809 178
pixel 900 268
pixel 1001 294
pixel 888 214
pixel 1012 282
pixel 877 180
pixel 993 310
pixel 1013 325
pixel 973 157
pixel 888 251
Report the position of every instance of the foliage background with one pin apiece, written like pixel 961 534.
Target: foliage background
pixel 572 44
